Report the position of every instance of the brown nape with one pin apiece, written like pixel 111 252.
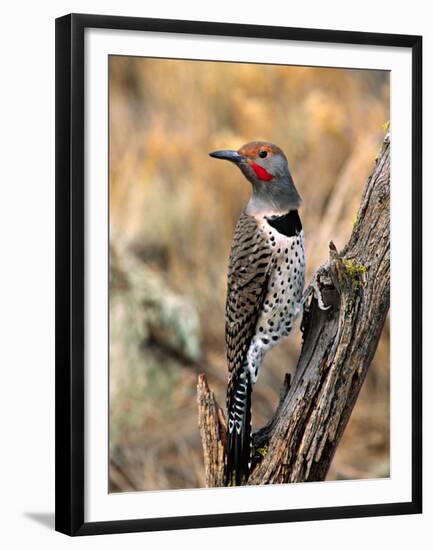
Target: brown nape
pixel 251 150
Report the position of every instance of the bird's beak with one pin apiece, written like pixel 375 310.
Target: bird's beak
pixel 233 156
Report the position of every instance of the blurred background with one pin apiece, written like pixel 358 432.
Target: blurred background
pixel 172 214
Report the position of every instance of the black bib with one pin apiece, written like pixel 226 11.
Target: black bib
pixel 289 224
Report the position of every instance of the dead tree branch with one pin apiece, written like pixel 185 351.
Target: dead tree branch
pixel 302 437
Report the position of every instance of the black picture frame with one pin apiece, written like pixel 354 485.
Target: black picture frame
pixel 70 282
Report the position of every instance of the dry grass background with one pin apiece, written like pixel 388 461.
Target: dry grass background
pixel 172 215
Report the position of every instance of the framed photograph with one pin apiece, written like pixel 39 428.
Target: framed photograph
pixel 238 274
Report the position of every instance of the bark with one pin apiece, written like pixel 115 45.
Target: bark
pixel 299 442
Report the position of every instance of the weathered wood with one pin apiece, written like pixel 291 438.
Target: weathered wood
pixel 213 430
pixel 299 442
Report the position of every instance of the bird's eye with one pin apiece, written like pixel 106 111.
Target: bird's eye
pixel 263 154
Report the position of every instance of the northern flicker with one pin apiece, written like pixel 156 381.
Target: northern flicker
pixel 265 285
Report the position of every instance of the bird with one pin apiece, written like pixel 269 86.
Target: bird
pixel 265 282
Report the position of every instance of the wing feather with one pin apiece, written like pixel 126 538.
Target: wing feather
pixel 250 263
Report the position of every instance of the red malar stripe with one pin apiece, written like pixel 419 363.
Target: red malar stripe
pixel 260 172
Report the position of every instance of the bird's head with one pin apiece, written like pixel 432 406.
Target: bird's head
pixel 265 166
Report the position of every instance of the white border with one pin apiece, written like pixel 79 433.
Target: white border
pixel 101 506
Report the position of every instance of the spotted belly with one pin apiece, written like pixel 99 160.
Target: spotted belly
pixel 281 304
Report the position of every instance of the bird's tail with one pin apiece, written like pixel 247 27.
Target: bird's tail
pixel 239 436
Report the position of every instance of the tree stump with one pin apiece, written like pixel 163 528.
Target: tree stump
pixel 298 444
